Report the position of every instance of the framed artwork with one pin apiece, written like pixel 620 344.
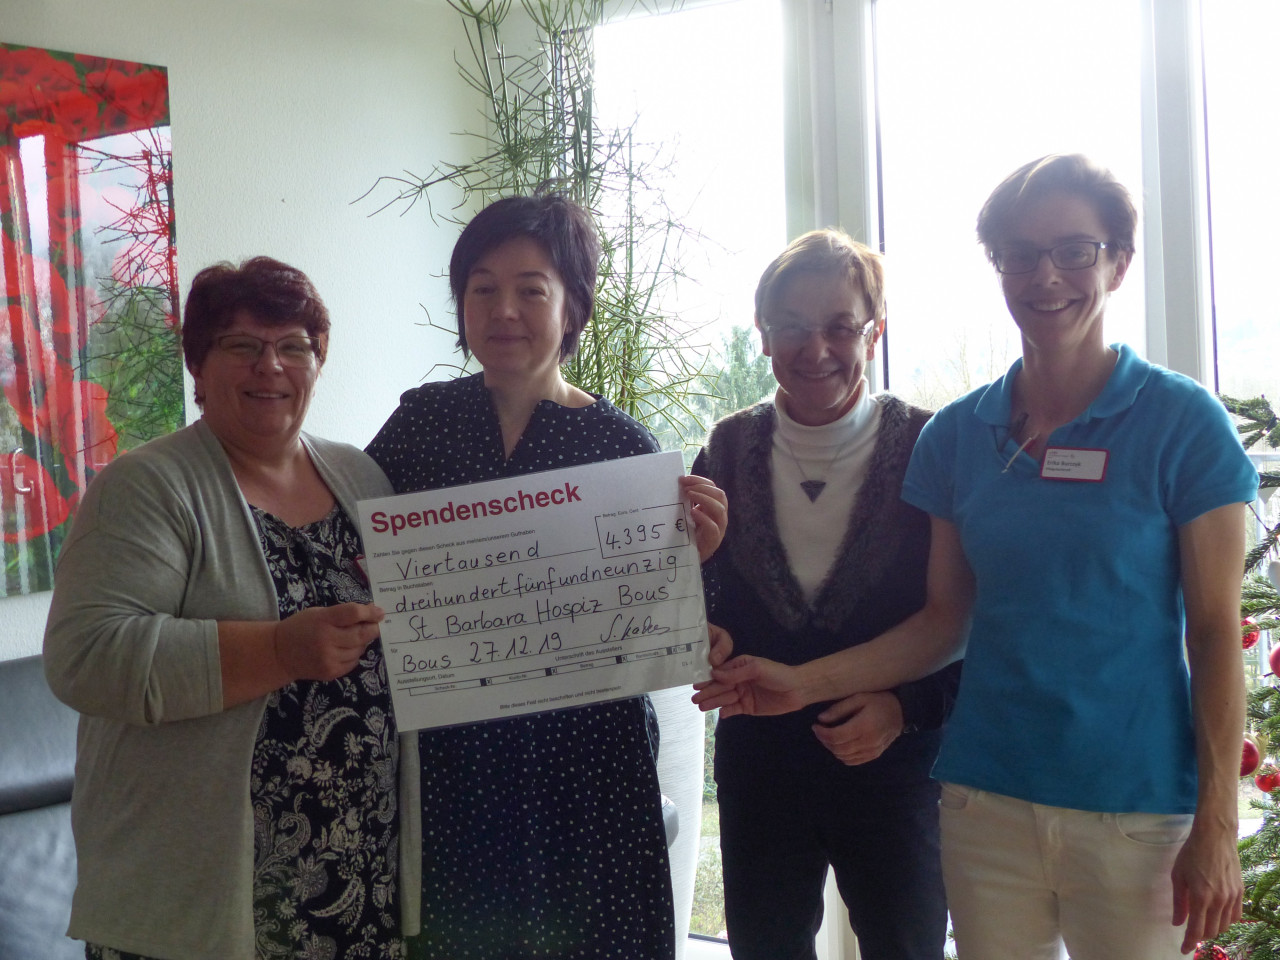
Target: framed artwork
pixel 90 358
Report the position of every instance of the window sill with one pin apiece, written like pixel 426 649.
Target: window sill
pixel 697 948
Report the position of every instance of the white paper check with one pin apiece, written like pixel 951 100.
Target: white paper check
pixel 537 592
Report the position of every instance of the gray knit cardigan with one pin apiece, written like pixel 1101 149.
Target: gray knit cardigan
pixel 876 581
pixel 163 546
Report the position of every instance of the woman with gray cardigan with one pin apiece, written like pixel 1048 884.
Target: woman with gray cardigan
pixel 236 781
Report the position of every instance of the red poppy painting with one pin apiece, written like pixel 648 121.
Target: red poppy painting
pixel 90 360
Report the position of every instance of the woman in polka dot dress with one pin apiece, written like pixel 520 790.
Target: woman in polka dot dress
pixel 542 835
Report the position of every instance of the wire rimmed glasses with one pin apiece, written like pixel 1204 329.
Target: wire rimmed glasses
pixel 295 350
pixel 837 332
pixel 1072 255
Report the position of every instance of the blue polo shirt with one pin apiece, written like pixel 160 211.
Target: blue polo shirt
pixel 1075 690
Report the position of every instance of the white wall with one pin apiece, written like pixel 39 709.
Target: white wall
pixel 283 112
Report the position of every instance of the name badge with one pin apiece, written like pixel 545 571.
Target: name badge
pixel 1074 463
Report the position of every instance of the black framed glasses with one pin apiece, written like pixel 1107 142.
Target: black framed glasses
pixel 836 333
pixel 294 350
pixel 1073 255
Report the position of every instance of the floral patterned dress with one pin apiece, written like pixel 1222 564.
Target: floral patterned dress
pixel 323 777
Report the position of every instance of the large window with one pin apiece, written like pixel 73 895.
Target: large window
pixel 703 88
pixel 966 94
pixel 90 364
pixel 713 124
pixel 1242 94
pixel 896 118
pixel 969 91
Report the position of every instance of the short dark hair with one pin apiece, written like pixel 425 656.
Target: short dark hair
pixel 1071 173
pixel 275 293
pixel 561 227
pixel 827 252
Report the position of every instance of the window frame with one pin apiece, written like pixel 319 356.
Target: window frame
pixel 832 169
pixel 831 175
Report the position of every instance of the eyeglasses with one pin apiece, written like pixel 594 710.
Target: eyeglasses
pixel 1074 255
pixel 294 350
pixel 838 333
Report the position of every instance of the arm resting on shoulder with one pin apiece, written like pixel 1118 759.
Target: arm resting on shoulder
pixel 1207 885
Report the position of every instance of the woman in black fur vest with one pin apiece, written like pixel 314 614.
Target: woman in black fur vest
pixel 822 554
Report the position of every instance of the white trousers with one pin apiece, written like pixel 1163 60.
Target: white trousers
pixel 1030 882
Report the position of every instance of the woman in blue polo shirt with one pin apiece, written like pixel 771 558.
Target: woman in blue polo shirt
pixel 1087 531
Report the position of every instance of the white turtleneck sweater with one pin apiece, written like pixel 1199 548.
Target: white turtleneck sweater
pixel 837 453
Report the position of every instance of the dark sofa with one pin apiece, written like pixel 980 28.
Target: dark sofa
pixel 37 855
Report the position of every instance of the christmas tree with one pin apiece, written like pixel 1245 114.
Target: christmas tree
pixel 1258 936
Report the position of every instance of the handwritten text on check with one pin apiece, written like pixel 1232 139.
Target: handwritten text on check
pixel 538 592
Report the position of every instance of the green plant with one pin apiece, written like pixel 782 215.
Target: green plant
pixel 708 756
pixel 135 348
pixel 736 375
pixel 542 131
pixel 707 917
pixel 1258 936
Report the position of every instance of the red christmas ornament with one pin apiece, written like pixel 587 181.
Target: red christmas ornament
pixel 1268 779
pixel 1250 757
pixel 1210 951
pixel 1274 659
pixel 1250 636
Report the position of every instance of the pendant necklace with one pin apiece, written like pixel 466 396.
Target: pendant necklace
pixel 813 488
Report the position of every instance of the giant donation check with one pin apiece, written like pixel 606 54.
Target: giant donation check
pixel 538 592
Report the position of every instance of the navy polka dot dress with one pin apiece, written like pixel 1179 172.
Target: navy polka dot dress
pixel 542 835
